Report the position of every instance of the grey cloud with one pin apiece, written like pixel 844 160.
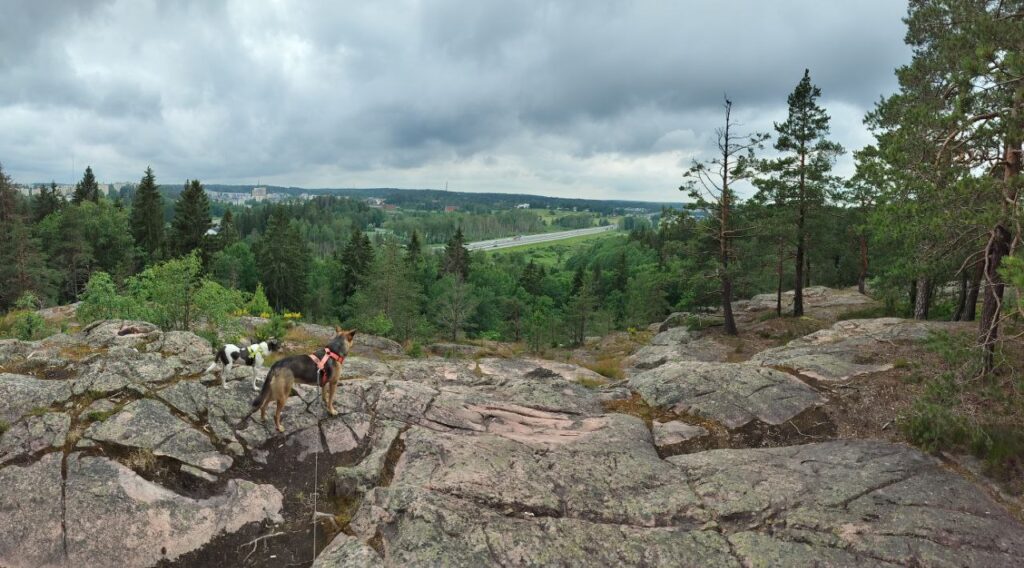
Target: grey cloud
pixel 530 93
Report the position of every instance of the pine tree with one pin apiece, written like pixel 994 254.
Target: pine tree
pixel 87 189
pixel 970 52
pixel 48 201
pixel 710 185
pixel 147 217
pixel 456 256
pixel 191 219
pixel 800 179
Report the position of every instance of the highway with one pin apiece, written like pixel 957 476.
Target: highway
pixel 521 240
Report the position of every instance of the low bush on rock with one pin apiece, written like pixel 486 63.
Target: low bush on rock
pixel 961 409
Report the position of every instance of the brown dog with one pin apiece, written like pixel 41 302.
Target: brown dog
pixel 322 368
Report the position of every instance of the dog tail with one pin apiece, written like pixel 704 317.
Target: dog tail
pixel 212 366
pixel 265 391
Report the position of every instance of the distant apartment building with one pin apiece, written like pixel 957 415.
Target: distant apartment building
pixel 375 202
pixel 523 206
pixel 259 194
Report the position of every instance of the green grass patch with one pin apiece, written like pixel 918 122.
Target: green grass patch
pixel 101 415
pixel 38 411
pixel 553 253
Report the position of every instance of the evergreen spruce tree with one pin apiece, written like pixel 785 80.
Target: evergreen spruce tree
pixel 87 189
pixel 48 201
pixel 191 219
pixel 799 180
pixel 284 262
pixel 228 234
pixel 531 278
pixel 414 250
pixel 22 266
pixel 390 294
pixel 456 256
pixel 147 217
pixel 355 263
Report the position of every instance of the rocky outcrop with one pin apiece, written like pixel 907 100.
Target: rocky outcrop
pixel 676 344
pixel 849 348
pixel 149 425
pixel 729 393
pixel 34 434
pixel 118 449
pixel 818 298
pixel 104 514
pixel 849 503
pixel 20 395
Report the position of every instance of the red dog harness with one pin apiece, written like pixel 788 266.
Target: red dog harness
pixel 321 363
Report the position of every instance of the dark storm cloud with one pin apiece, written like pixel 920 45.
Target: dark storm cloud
pixel 602 98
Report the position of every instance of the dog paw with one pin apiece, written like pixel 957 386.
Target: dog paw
pixel 280 429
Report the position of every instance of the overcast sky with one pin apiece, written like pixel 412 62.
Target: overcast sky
pixel 592 98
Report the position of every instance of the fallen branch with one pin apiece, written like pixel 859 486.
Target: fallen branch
pixel 256 541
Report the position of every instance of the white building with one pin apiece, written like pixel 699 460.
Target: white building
pixel 259 193
pixel 523 206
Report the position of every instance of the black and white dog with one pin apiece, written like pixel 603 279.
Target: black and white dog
pixel 251 355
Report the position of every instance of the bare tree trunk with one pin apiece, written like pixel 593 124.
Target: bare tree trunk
pixel 798 290
pixel 961 298
pixel 807 271
pixel 778 288
pixel 923 299
pixel 730 321
pixel 998 246
pixel 724 235
pixel 971 307
pixel 863 276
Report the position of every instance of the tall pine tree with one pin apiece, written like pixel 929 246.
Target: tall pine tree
pixel 147 218
pixel 799 179
pixel 191 219
pixel 709 184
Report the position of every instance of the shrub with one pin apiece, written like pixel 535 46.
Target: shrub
pixel 379 324
pixel 274 328
pixel 259 305
pixel 101 301
pixel 946 414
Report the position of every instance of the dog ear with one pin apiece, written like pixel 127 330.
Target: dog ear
pixel 338 330
pixel 351 334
